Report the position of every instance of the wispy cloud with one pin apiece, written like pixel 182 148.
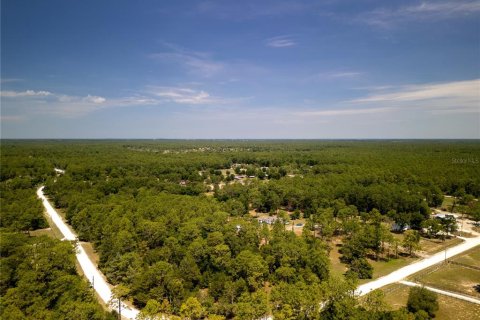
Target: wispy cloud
pixel 27 93
pixel 251 9
pixel 203 64
pixel 20 103
pixel 193 61
pixel 451 97
pixel 182 95
pixel 335 75
pixel 8 80
pixel 423 11
pixel 45 102
pixel 189 96
pixel 280 42
pixel 343 112
pixel 458 97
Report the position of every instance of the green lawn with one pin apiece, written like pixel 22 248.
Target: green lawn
pixel 382 268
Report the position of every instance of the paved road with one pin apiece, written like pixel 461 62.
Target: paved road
pixel 406 271
pixel 88 267
pixel 447 293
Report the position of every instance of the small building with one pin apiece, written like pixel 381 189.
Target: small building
pixel 268 220
pixel 399 228
pixel 442 216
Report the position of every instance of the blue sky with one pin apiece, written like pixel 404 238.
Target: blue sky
pixel 240 69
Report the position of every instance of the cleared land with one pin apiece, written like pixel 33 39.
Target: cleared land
pixel 450 308
pixel 453 277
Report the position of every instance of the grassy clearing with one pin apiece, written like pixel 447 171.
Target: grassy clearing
pixel 453 277
pixel 471 257
pixel 450 308
pixel 338 267
pixel 431 246
pixel 382 268
pixel 42 232
pixel 396 295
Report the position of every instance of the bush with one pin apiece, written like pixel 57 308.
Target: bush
pixel 362 268
pixel 420 298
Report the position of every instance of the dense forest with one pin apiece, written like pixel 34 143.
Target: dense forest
pixel 175 223
pixel 38 277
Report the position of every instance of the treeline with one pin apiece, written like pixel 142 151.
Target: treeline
pixel 39 281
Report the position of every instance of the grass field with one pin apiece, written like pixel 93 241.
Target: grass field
pixel 431 246
pixel 384 267
pixel 471 257
pixel 449 277
pixel 453 277
pixel 450 308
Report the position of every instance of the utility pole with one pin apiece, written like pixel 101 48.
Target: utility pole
pixel 119 309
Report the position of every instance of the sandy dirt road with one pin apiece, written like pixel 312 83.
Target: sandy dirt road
pixel 415 267
pixel 90 271
pixel 447 293
pixel 104 289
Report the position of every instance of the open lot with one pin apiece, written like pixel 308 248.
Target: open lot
pixel 383 267
pixel 453 277
pixel 450 308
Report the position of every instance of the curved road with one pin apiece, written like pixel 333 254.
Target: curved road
pixel 89 269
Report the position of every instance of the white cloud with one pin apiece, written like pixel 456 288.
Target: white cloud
pixel 468 90
pixel 27 93
pixel 45 102
pixel 189 96
pixel 423 11
pixel 94 99
pixel 31 102
pixel 451 97
pixel 431 99
pixel 182 95
pixel 280 42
